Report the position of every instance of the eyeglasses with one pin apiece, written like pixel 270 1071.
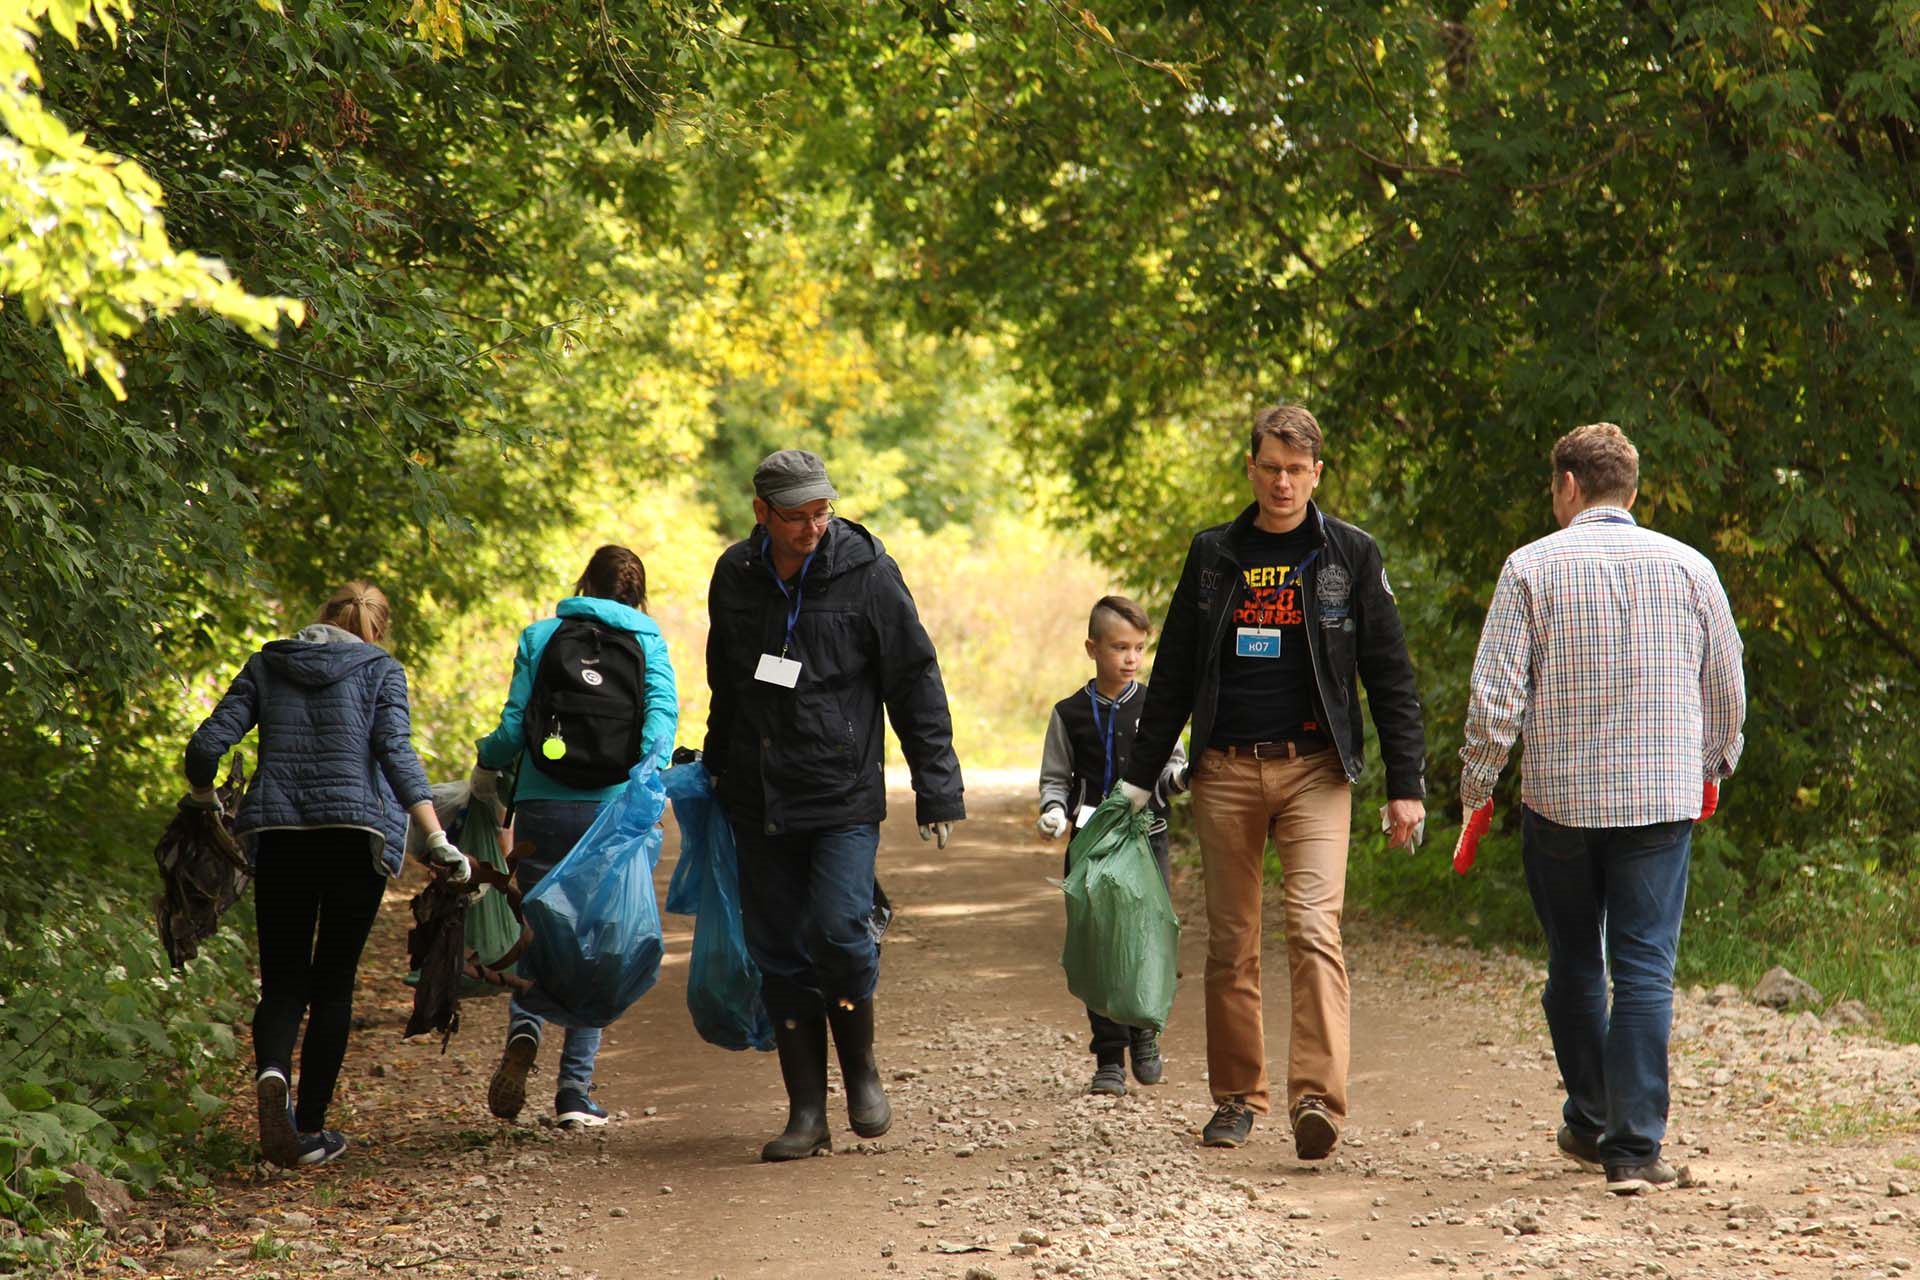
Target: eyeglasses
pixel 817 519
pixel 1295 473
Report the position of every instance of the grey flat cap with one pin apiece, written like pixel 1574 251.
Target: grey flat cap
pixel 791 477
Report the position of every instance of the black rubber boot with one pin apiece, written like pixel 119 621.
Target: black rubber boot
pixel 867 1108
pixel 802 1043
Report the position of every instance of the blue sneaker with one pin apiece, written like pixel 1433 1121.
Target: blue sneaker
pixel 318 1148
pixel 572 1106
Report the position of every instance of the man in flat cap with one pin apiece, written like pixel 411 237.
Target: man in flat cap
pixel 811 633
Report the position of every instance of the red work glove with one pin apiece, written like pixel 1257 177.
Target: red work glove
pixel 1709 800
pixel 1479 822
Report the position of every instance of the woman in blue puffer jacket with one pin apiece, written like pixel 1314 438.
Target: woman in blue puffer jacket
pixel 324 822
pixel 550 815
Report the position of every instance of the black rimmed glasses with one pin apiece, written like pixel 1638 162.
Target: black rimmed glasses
pixel 818 519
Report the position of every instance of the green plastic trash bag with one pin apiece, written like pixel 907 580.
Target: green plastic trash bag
pixel 1122 936
pixel 492 929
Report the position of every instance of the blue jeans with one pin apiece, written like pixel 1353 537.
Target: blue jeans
pixel 1610 896
pixel 806 900
pixel 553 827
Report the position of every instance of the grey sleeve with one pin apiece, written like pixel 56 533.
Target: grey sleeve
pixel 1056 766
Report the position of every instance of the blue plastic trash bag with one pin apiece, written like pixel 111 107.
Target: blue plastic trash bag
pixel 596 926
pixel 723 983
pixel 1123 940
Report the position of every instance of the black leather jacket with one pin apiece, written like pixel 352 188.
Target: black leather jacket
pixel 1353 630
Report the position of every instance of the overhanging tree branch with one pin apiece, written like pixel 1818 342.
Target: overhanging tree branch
pixel 1856 606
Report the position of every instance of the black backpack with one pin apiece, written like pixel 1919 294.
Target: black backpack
pixel 589 700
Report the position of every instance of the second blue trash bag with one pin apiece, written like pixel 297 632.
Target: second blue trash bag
pixel 596 926
pixel 723 983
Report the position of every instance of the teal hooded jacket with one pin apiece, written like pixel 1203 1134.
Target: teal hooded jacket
pixel 657 727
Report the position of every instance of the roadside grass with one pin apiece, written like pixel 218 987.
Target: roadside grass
pixel 1848 925
pixel 1841 1122
pixel 1851 930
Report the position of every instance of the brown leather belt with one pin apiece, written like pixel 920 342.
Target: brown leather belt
pixel 1287 749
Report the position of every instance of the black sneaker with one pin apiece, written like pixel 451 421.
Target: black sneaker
pixel 1232 1122
pixel 1315 1134
pixel 318 1148
pixel 1143 1046
pixel 507 1091
pixel 1580 1149
pixel 572 1107
pixel 1633 1179
pixel 1109 1077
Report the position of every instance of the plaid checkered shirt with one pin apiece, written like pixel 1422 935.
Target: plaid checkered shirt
pixel 1610 652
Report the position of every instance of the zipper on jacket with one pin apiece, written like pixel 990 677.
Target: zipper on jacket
pixel 1239 580
pixel 1313 660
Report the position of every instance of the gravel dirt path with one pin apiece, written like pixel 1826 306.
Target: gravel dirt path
pixel 1801 1140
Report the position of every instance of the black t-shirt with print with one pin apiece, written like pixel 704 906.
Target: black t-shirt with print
pixel 1262 699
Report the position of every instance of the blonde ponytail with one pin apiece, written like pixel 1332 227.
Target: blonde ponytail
pixel 358 607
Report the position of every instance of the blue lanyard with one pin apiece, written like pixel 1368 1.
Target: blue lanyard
pixel 1299 569
pixel 1113 718
pixel 1611 520
pixel 1292 579
pixel 795 596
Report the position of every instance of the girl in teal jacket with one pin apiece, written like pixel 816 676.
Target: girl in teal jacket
pixel 551 816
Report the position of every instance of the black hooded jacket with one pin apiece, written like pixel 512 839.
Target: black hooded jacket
pixel 1353 629
pixel 809 758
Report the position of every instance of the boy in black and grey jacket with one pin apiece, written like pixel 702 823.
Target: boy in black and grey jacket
pixel 1088 743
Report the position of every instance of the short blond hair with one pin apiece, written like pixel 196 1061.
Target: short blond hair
pixel 358 607
pixel 1602 460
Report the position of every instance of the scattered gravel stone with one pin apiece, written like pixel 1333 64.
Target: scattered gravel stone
pixel 1779 989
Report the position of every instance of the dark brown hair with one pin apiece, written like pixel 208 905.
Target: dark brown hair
pixel 615 573
pixel 1288 424
pixel 1602 460
pixel 358 607
pixel 1117 607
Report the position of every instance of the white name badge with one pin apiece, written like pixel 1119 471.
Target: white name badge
pixel 774 669
pixel 1257 642
pixel 1080 819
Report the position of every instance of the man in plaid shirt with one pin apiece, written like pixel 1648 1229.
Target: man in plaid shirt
pixel 1610 651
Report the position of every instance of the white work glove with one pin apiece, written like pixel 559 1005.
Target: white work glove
pixel 441 855
pixel 938 832
pixel 1137 797
pixel 1053 822
pixel 485 784
pixel 1172 782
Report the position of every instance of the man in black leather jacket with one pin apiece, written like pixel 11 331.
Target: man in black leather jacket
pixel 1276 618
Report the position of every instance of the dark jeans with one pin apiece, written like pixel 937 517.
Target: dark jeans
pixel 315 896
pixel 1110 1038
pixel 806 900
pixel 552 828
pixel 1610 897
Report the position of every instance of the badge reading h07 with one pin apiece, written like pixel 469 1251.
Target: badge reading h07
pixel 1257 642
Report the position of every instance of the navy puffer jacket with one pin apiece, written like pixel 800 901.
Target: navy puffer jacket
pixel 336 744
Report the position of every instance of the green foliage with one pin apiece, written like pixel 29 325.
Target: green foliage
pixel 110 1057
pixel 86 247
pixel 1457 234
